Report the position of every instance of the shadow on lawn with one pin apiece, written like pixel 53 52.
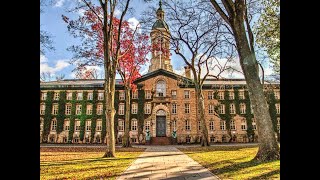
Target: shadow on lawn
pixel 80 161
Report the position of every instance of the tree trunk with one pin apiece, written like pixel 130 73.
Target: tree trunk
pixel 126 137
pixel 201 110
pixel 268 147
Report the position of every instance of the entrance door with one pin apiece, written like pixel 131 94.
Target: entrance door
pixel 161 126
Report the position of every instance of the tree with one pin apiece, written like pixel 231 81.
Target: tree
pixel 46 76
pixel 82 72
pixel 235 15
pixel 267 31
pixel 45 38
pixel 196 37
pixel 108 37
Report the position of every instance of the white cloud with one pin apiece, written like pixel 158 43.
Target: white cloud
pixel 81 12
pixel 59 3
pixel 59 65
pixel 117 12
pixel 133 23
pixel 43 59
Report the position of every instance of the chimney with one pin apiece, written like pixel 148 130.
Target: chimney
pixel 187 71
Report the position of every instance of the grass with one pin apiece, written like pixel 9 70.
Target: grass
pixel 234 162
pixel 84 163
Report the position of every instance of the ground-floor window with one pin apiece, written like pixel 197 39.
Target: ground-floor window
pixel 87 140
pixel 188 138
pixel 65 139
pixel 200 139
pixel 51 139
pixel 98 139
pixel 76 140
pixel 211 138
pixel 134 140
pixel 224 138
pixel 120 140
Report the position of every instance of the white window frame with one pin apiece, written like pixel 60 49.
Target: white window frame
pixel 135 94
pixel 277 108
pixel 174 125
pixel 187 125
pixel 88 125
pixel 78 109
pixel 187 108
pixel 222 109
pixel 243 124
pixel 134 108
pixel 232 125
pixel 278 124
pixel 211 125
pixel 89 109
pixel 69 96
pixel 56 96
pixel 147 126
pixel 121 125
pixel 90 96
pixel 174 108
pixel 76 126
pixel 134 125
pixel 186 94
pixel 44 96
pixel 100 96
pixel 79 97
pixel 99 109
pixel 254 124
pixel 231 95
pixel 210 95
pixel 99 125
pixel 42 109
pixel 222 125
pixel 158 87
pixel 277 94
pixel 211 109
pixel 55 109
pixel 148 94
pixel 174 94
pixel 53 125
pixel 121 95
pixel 68 110
pixel 148 108
pixel 232 108
pixel 66 125
pixel 121 109
pixel 221 95
pixel 242 108
pixel 241 94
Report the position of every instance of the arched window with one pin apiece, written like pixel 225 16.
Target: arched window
pixel 161 88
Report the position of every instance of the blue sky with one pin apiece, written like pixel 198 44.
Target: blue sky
pixel 56 61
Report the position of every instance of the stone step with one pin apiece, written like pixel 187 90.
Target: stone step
pixel 160 141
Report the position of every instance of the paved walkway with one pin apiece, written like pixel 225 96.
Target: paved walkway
pixel 166 162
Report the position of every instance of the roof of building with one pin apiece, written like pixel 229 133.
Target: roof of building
pixel 160 24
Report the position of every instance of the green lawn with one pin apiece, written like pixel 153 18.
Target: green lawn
pixel 84 163
pixel 234 162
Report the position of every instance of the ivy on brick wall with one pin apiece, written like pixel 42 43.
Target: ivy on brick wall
pixel 61 111
pixel 116 116
pixel 140 115
pixel 271 100
pixel 83 116
pixel 72 116
pixel 103 117
pixel 47 117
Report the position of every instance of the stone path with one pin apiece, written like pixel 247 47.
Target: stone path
pixel 166 162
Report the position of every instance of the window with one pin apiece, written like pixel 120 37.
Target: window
pixel 41 124
pixel 79 96
pixel 66 125
pixel 99 109
pixel 242 108
pixel 278 108
pixel 231 95
pixel 161 88
pixel 78 109
pixel 221 95
pixel 121 109
pixel 224 138
pixel 211 138
pixel 100 96
pixel 199 125
pixel 121 125
pixel 69 96
pixel 186 108
pixel 232 109
pixel 251 108
pixel 174 94
pixel 186 94
pixel 42 109
pixel 53 125
pixel 254 125
pixel 241 95
pixel 243 124
pixel 134 109
pixel 188 139
pixel 134 124
pixel 77 125
pixel 174 125
pixel 121 95
pixel 147 126
pixel 147 109
pixel 148 94
pixel 211 108
pixel 68 109
pixel 232 125
pixel 278 124
pixel 134 140
pixel 222 125
pixel 89 109
pixel 55 109
pixel 221 109
pixel 277 94
pixel 211 125
pixel 44 96
pixel 210 94
pixel 88 125
pixel 76 140
pixel 135 94
pixel 99 125
pixel 90 96
pixel 56 96
pixel 174 108
pixel 188 127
